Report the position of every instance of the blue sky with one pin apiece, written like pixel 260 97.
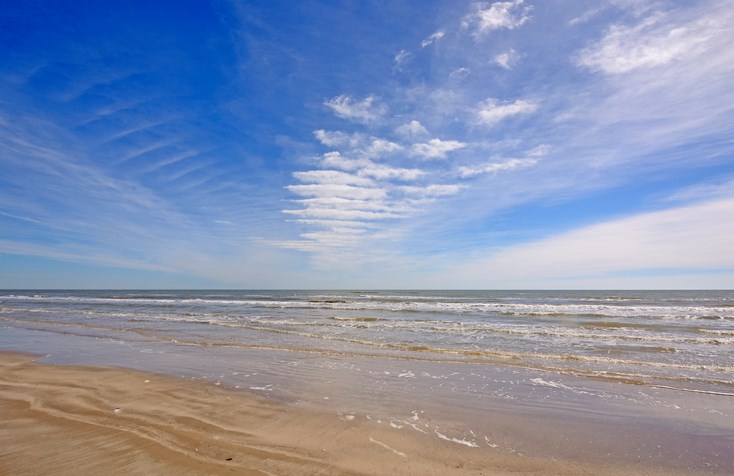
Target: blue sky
pixel 400 144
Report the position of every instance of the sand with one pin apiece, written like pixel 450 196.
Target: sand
pixel 89 420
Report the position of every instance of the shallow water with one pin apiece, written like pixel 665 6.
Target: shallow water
pixel 630 368
pixel 682 339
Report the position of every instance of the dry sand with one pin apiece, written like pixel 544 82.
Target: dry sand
pixel 88 420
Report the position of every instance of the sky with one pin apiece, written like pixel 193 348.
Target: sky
pixel 516 144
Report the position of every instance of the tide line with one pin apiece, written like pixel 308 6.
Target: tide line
pixel 388 447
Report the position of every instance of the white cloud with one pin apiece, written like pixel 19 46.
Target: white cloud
pixel 435 190
pixel 365 111
pixel 367 168
pixel 433 38
pixel 337 190
pixel 411 129
pixel 694 237
pixel 335 223
pixel 357 144
pixel 345 204
pixel 651 43
pixel 332 176
pixel 385 172
pixel 493 167
pixel 507 59
pixel 338 161
pixel 436 148
pixel 340 214
pixel 509 15
pixel 338 138
pixel 491 111
pixel 380 147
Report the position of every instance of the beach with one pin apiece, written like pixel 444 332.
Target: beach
pixel 368 383
pixel 86 420
pixel 73 420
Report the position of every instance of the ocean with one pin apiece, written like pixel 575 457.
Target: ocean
pixel 431 361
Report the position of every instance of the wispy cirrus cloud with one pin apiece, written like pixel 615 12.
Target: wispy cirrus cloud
pixel 445 129
pixel 585 17
pixel 720 188
pixel 401 59
pixel 493 167
pixel 78 254
pixel 111 185
pixel 653 70
pixel 433 190
pixel 653 42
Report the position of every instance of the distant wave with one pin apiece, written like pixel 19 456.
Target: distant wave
pixel 560 310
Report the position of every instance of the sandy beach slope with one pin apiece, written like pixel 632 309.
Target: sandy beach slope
pixel 88 420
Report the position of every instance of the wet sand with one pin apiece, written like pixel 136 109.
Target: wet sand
pixel 92 420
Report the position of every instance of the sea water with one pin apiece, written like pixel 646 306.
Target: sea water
pixel 428 361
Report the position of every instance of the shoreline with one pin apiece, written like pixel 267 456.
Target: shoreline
pixel 66 419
